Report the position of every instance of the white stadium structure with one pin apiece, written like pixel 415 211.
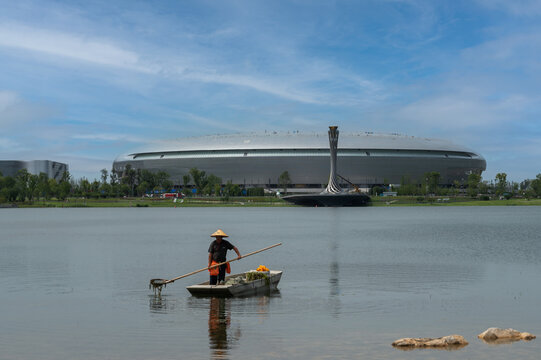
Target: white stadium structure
pixel 257 160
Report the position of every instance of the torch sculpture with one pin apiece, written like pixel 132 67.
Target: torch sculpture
pixel 333 194
pixel 332 186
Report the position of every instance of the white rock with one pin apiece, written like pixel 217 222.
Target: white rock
pixel 450 340
pixel 495 334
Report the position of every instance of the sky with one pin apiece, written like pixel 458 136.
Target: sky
pixel 83 82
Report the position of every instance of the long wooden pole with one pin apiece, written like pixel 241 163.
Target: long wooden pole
pixel 213 266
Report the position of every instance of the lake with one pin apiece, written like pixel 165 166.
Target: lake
pixel 74 282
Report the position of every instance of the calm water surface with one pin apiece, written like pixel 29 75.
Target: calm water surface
pixel 74 282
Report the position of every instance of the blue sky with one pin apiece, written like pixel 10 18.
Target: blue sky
pixel 82 82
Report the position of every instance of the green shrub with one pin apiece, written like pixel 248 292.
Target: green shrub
pixel 257 191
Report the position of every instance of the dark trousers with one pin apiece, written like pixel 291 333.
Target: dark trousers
pixel 220 277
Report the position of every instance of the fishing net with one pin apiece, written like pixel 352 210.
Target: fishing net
pixel 157 285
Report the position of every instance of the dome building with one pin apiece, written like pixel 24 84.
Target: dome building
pixel 258 159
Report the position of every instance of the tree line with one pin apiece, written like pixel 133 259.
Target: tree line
pixel 137 182
pixel 473 187
pixel 25 186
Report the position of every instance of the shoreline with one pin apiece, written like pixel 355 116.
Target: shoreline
pixel 398 201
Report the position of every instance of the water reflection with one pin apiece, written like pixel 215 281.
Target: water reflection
pixel 503 341
pixel 219 323
pixel 161 304
pixel 334 281
pixel 440 348
pixel 334 266
pixel 224 315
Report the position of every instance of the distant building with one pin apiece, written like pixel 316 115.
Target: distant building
pixel 365 159
pixel 53 169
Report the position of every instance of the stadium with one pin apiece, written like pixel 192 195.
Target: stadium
pixel 258 159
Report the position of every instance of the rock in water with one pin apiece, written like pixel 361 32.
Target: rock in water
pixel 497 334
pixel 445 341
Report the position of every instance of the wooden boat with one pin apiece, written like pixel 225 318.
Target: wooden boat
pixel 233 288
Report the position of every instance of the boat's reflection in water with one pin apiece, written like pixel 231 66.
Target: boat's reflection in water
pixel 219 323
pixel 224 331
pixel 224 316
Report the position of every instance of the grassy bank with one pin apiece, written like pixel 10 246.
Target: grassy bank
pixel 146 202
pixel 460 201
pixel 263 201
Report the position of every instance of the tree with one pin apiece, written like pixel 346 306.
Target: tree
pixel 142 188
pixel 64 188
pixel 536 185
pixel 256 191
pixel 162 180
pixel 53 188
pixel 524 185
pixel 84 187
pixel 212 182
pixel 284 181
pixel 185 180
pixel 231 189
pixel 501 183
pixel 33 181
pixel 22 178
pixel 432 181
pixel 407 188
pixel 149 178
pixel 199 178
pixel 3 189
pixel 113 180
pixel 43 188
pixel 106 190
pixel 473 184
pixel 483 187
pixel 113 177
pixel 129 177
pixel 103 175
pixel 66 176
pixel 8 189
pixel 456 188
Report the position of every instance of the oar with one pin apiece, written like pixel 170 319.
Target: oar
pixel 157 284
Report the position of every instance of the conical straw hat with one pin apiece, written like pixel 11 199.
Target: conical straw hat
pixel 219 232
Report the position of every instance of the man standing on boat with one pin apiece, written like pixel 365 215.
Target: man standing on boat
pixel 217 254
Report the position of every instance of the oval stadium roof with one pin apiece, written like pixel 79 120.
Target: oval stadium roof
pixel 296 140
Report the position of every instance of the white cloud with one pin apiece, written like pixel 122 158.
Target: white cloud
pixel 449 111
pixel 299 79
pixel 280 88
pixel 73 46
pixel 81 166
pixel 7 99
pixel 517 51
pixel 8 145
pixel 15 111
pixel 109 137
pixel 515 7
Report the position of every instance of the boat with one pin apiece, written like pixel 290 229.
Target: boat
pixel 237 285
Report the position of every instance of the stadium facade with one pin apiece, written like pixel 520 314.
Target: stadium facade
pixel 258 160
pixel 53 169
